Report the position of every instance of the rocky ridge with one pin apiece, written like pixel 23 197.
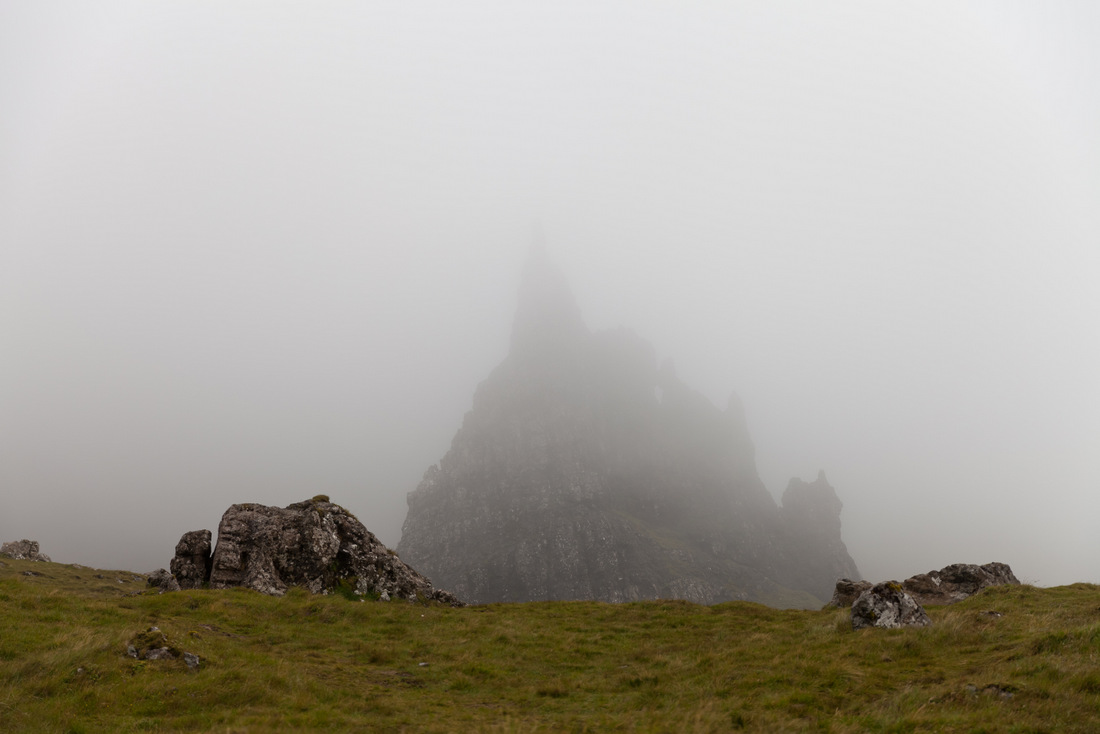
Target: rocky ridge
pixel 587 471
pixel 948 585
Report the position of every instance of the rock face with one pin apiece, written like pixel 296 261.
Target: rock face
pixel 946 586
pixel 957 581
pixel 887 605
pixel 315 544
pixel 585 471
pixel 23 550
pixel 193 561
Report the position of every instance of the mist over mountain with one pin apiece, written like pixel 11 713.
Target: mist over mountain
pixel 587 471
pixel 255 255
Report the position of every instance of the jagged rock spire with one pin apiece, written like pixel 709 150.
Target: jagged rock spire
pixel 547 317
pixel 585 472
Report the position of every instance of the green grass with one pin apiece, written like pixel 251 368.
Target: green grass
pixel 308 663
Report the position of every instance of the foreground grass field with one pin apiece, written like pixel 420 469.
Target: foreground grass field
pixel 1011 659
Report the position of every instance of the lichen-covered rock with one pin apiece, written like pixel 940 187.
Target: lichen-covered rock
pixel 161 579
pixel 847 591
pixel 887 605
pixel 957 582
pixel 587 471
pixel 317 545
pixel 23 550
pixel 193 560
pixel 946 586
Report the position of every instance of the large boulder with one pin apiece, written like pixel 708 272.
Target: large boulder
pixel 193 560
pixel 887 605
pixel 23 550
pixel 316 545
pixel 957 582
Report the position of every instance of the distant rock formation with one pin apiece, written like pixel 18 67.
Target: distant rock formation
pixel 847 591
pixel 887 605
pixel 23 550
pixel 584 471
pixel 948 585
pixel 316 544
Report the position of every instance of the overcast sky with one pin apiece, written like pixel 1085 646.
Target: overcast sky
pixel 253 252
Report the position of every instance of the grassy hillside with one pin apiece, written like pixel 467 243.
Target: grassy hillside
pixel 303 663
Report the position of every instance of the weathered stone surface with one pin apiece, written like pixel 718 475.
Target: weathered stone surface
pixel 23 550
pixel 162 580
pixel 957 582
pixel 948 585
pixel 847 591
pixel 887 605
pixel 193 560
pixel 585 471
pixel 313 544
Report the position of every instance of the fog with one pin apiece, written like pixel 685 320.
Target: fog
pixel 252 253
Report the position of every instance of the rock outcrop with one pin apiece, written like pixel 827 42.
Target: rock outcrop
pixel 193 560
pixel 948 585
pixel 957 582
pixel 887 605
pixel 316 544
pixel 23 550
pixel 585 471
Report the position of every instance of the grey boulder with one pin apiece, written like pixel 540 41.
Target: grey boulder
pixel 886 605
pixel 316 545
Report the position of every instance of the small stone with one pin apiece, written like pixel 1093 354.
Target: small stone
pixel 192 660
pixel 131 651
pixel 159 653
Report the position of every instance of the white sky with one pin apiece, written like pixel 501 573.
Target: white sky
pixel 259 251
